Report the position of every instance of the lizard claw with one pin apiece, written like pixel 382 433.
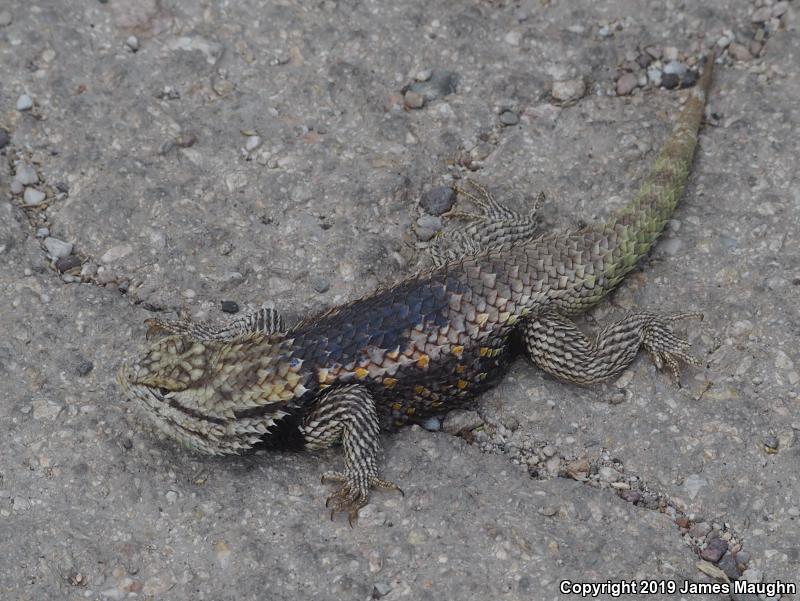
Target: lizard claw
pixel 353 494
pixel 668 349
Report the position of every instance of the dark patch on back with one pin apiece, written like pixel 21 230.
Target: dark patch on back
pixel 382 321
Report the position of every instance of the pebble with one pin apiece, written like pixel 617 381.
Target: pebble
pixel 608 474
pixel 24 103
pixel 432 424
pixel 414 100
pixel 771 443
pixel 761 15
pixel 67 263
pixel 320 285
pixel 654 75
pixel 4 139
pixel 753 575
pixel 16 187
pixel 689 79
pixel 33 196
pixel 461 421
pixel 380 589
pixel 42 232
pixel 438 200
pixel 5 18
pixel 675 67
pixel 26 174
pixel 84 367
pixel 186 139
pixel 423 75
pixel 626 84
pixel 57 248
pixel 742 558
pixel 728 565
pixel 714 550
pixel 427 226
pixel 568 90
pixel 654 51
pixel 700 530
pixel 133 43
pixel 739 52
pixel 671 246
pixel 440 84
pixel 631 496
pixel 670 81
pixel 509 118
pixel 777 10
pixel 252 143
pixel 229 306
pixel 644 60
pixel 171 496
pixel 670 53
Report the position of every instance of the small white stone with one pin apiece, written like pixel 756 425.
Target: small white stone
pixel 571 89
pixel 670 53
pixel 423 75
pixel 133 43
pixel 761 15
pixel 654 75
pixel 26 174
pixel 33 196
pixel 252 143
pixel 57 248
pixel 513 38
pixel 24 103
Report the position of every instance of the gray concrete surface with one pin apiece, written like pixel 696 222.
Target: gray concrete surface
pixel 197 152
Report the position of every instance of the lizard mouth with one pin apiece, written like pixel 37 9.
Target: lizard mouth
pixel 126 376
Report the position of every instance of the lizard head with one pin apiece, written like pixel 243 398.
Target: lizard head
pixel 173 364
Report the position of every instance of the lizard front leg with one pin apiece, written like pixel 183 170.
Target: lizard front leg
pixel 347 415
pixel 266 320
pixel 557 346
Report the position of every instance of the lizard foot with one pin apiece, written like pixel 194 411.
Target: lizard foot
pixel 353 494
pixel 492 224
pixel 665 347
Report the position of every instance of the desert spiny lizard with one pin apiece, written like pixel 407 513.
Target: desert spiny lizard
pixel 425 345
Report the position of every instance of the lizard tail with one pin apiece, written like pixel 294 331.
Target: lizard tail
pixel 637 225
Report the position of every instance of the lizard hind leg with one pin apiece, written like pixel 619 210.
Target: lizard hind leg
pixel 557 346
pixel 347 415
